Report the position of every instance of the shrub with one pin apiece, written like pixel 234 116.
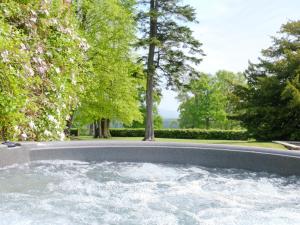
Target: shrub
pixel 43 63
pixel 74 132
pixel 184 133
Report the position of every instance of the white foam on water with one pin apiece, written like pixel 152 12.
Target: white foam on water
pixel 71 192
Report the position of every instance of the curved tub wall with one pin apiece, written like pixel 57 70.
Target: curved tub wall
pixel 253 159
pixel 9 157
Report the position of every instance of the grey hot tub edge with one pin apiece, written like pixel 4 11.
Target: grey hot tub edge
pixel 220 156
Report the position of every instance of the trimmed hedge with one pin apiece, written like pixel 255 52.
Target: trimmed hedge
pixel 183 133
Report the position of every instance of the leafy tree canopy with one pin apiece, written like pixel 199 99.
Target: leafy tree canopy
pixel 112 92
pixel 208 102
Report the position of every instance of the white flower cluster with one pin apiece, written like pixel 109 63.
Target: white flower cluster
pixel 39 50
pixel 16 128
pixel 47 133
pixel 23 47
pixel 52 119
pixel 57 70
pixel 29 71
pixel 44 12
pixel 24 136
pixel 33 19
pixel 42 67
pixel 4 56
pixel 84 45
pixel 64 30
pixel 61 135
pixel 32 125
pixel 73 79
pixel 53 21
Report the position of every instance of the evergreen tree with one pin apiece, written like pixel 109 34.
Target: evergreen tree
pixel 171 47
pixel 269 105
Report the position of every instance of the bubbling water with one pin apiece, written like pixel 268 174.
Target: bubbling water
pixel 72 192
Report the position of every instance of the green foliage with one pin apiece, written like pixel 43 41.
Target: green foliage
pixel 205 105
pixel 207 102
pixel 176 48
pixel 269 105
pixel 42 62
pixel 157 119
pixel 172 49
pixel 112 92
pixel 74 132
pixel 171 123
pixel 184 134
pixel 12 93
pixel 49 71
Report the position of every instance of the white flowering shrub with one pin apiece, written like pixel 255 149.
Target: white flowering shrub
pixel 42 63
pixel 12 79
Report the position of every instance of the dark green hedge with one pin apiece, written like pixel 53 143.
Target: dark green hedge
pixel 74 132
pixel 184 133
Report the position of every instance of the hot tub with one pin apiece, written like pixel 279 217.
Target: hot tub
pixel 148 183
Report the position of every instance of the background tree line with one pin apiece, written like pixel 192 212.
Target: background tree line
pixel 209 101
pixel 265 99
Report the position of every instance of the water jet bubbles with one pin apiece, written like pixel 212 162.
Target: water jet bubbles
pixel 75 192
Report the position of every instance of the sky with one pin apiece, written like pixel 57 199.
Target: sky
pixel 233 32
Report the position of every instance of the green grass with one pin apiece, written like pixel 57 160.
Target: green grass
pixel 227 142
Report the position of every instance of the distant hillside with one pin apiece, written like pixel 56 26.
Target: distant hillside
pixel 170 123
pixel 167 123
pixel 168 113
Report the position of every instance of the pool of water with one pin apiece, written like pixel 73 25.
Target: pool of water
pixel 71 192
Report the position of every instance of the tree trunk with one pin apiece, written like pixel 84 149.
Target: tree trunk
pixel 105 128
pixel 207 123
pixel 149 133
pixel 67 130
pixel 97 129
pixel 3 133
pixel 91 129
pixel 102 125
pixel 99 134
pixel 107 132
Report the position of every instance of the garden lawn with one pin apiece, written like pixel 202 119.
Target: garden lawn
pixel 227 142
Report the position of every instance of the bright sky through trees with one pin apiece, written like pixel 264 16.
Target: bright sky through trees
pixel 233 32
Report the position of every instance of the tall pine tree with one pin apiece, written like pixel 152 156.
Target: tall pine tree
pixel 172 49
